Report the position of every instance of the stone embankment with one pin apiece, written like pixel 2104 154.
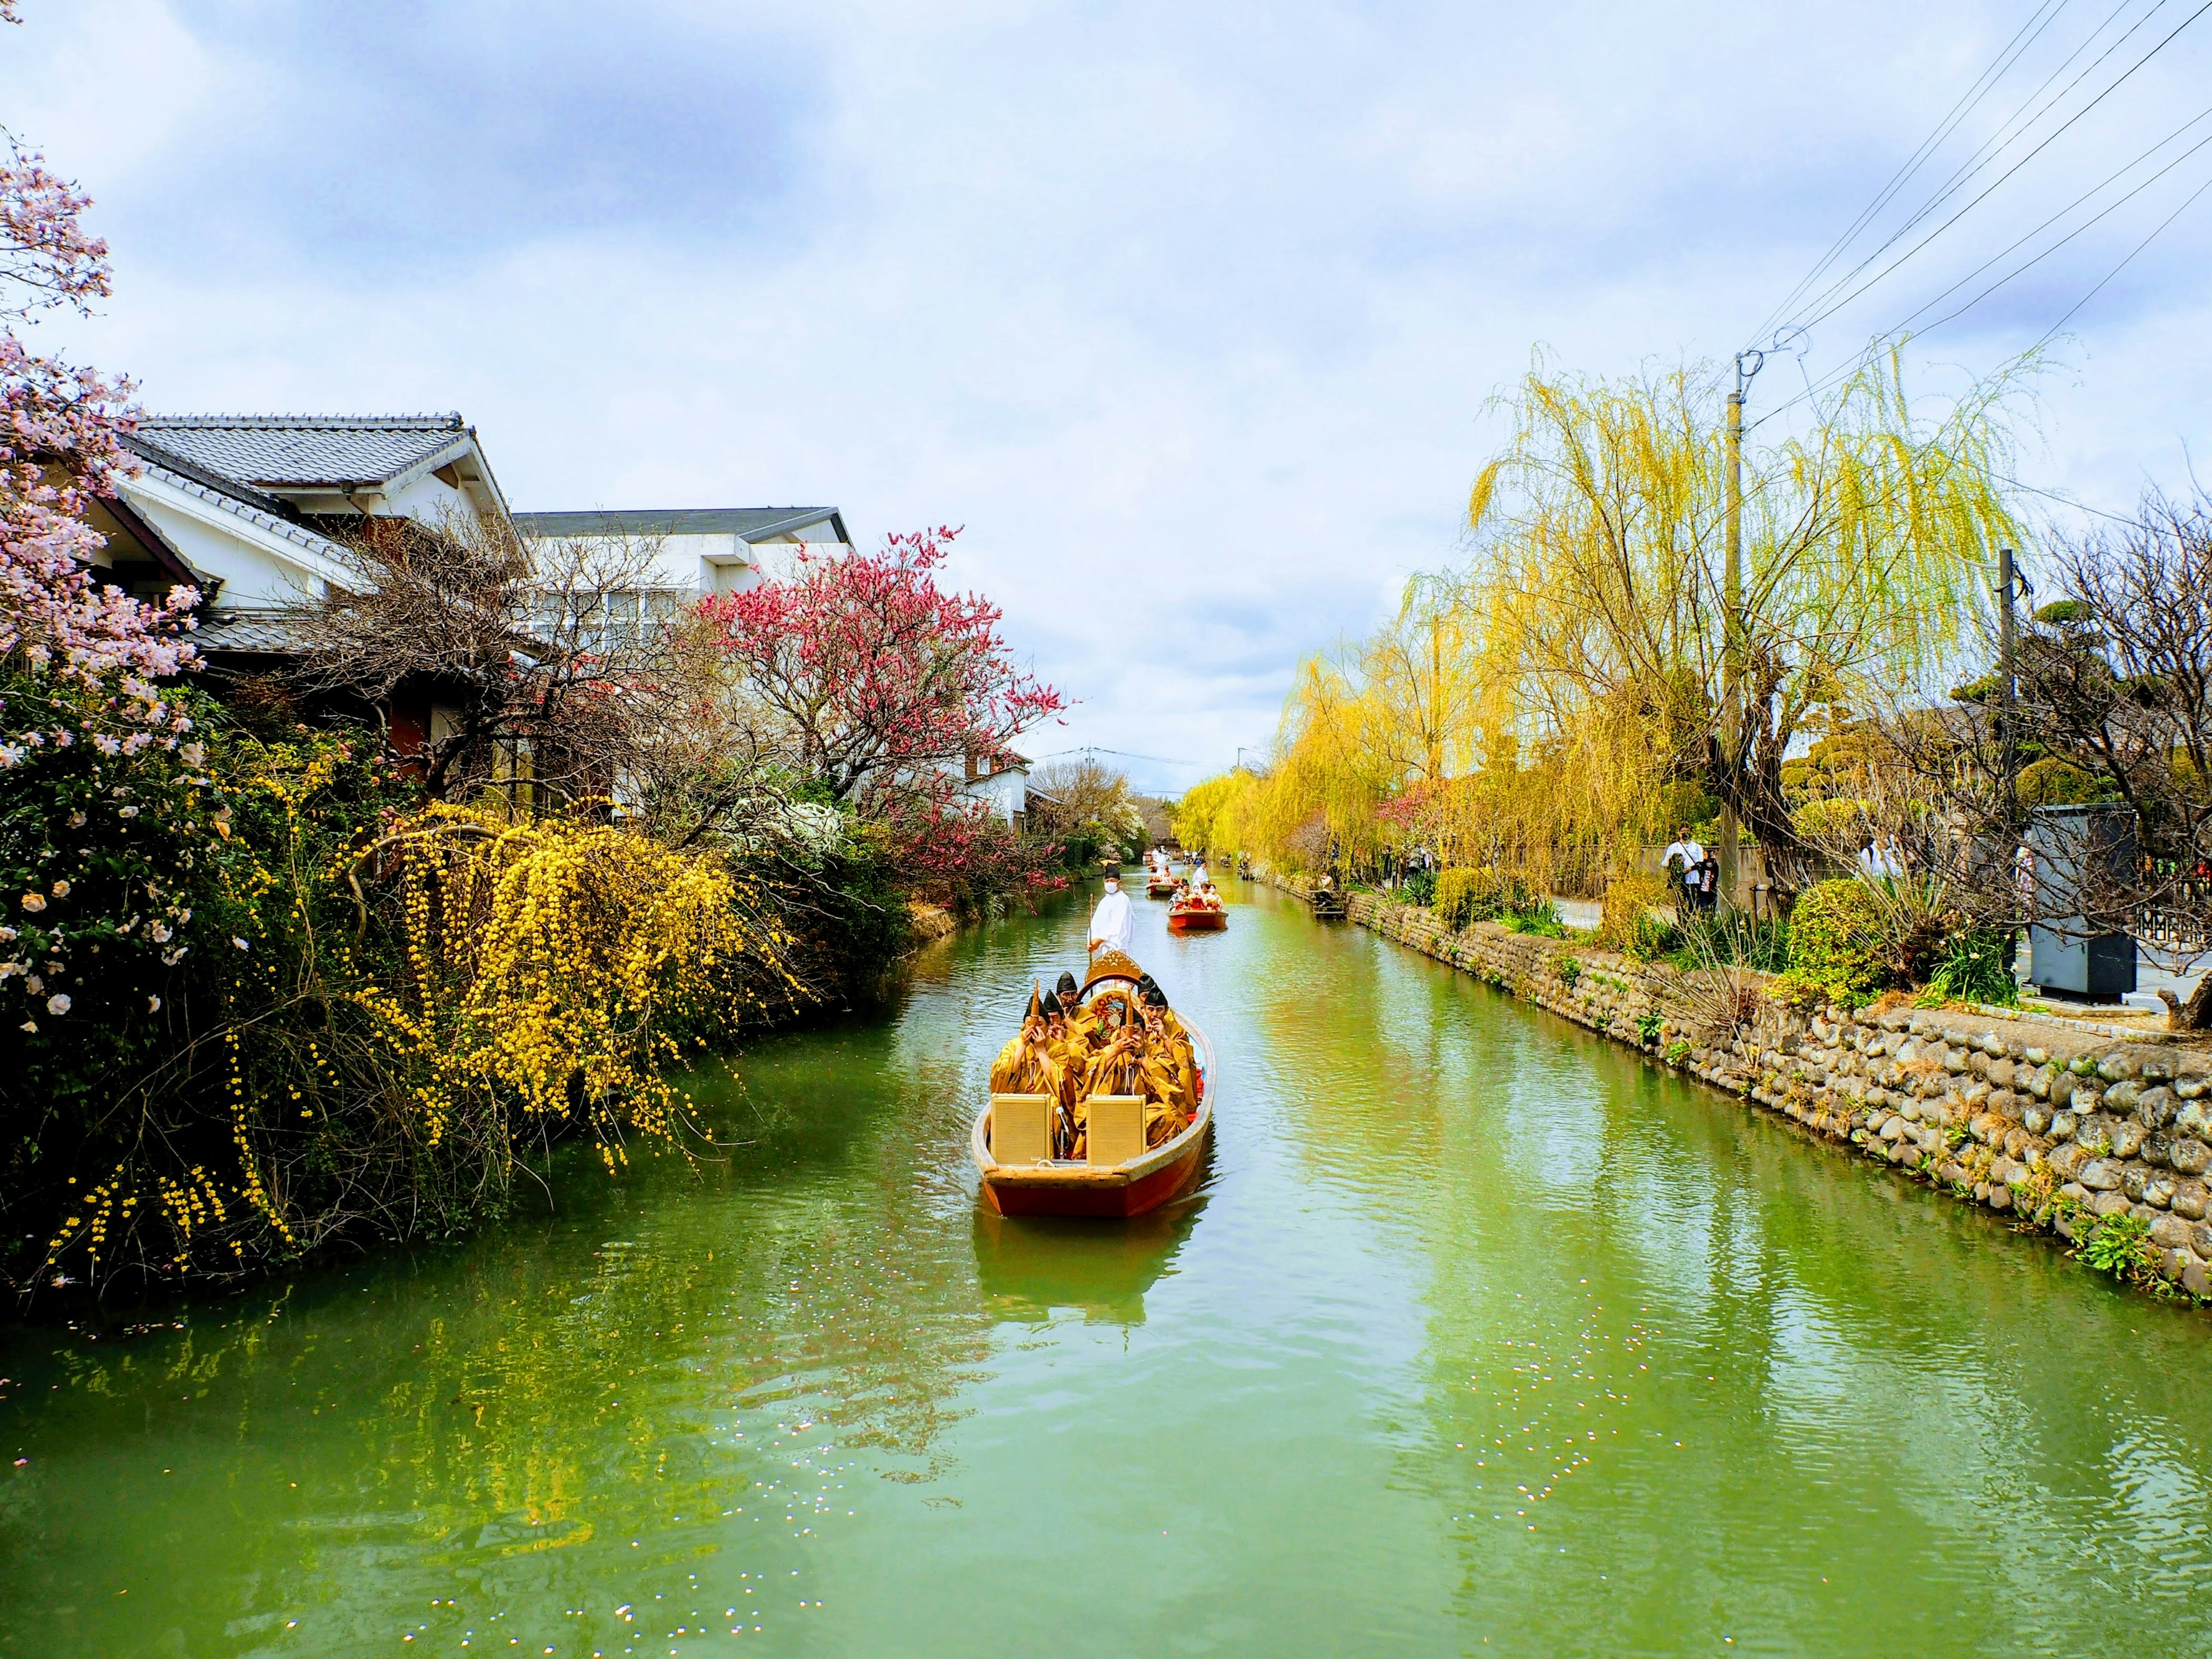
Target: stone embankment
pixel 2059 1126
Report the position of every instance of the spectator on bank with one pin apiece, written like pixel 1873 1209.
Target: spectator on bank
pixel 1682 853
pixel 1882 858
pixel 1703 882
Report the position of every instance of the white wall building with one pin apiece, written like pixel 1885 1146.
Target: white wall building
pixel 697 550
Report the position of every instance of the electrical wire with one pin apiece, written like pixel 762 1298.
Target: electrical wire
pixel 2067 500
pixel 2002 137
pixel 1843 371
pixel 1895 265
pixel 2113 176
pixel 1968 101
pixel 2125 263
pixel 1118 754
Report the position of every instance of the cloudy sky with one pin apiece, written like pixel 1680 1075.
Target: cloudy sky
pixel 1188 314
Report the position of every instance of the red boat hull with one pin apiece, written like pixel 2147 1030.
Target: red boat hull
pixel 1011 1197
pixel 1194 922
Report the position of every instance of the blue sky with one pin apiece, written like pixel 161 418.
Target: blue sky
pixel 1188 314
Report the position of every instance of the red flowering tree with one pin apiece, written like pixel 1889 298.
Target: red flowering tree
pixel 881 680
pixel 58 430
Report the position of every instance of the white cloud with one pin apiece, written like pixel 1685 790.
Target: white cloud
pixel 1188 314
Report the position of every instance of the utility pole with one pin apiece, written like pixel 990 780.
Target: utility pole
pixel 1732 720
pixel 2007 692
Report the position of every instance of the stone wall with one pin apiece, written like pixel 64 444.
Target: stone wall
pixel 2060 1125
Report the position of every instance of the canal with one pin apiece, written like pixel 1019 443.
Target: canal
pixel 1478 1337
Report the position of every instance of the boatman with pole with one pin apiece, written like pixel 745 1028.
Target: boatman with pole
pixel 1110 922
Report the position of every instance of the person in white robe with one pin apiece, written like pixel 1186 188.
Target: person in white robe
pixel 1198 878
pixel 1110 922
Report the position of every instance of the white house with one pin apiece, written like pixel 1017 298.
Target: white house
pixel 1000 778
pixel 243 507
pixel 239 506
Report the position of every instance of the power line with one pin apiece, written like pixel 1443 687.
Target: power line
pixel 1995 145
pixel 1844 370
pixel 1118 754
pixel 2113 176
pixel 2067 500
pixel 1968 100
pixel 2123 264
pixel 1897 263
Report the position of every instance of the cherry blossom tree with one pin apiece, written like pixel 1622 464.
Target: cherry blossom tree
pixel 59 427
pixel 879 680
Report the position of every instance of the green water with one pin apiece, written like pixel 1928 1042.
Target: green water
pixel 1478 1337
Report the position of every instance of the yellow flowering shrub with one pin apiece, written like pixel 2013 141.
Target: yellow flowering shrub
pixel 557 970
pixel 297 1010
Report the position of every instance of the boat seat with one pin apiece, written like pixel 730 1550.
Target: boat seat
pixel 1116 1130
pixel 1021 1129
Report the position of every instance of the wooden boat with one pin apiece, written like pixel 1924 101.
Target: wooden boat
pixel 1160 885
pixel 1079 1188
pixel 1197 919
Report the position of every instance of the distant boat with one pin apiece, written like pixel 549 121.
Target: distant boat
pixel 1160 884
pixel 1078 1186
pixel 1197 919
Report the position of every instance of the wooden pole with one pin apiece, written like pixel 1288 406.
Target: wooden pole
pixel 2007 694
pixel 1732 641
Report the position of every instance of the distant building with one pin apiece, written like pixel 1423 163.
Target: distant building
pixel 999 777
pixel 697 551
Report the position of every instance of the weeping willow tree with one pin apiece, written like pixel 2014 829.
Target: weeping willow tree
pixel 1211 815
pixel 1563 696
pixel 1868 538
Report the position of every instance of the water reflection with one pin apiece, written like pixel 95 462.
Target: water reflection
pixel 1029 1266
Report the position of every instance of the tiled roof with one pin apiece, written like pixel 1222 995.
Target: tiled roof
pixel 276 451
pixel 261 632
pixel 747 523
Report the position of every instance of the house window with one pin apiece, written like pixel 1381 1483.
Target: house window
pixel 620 618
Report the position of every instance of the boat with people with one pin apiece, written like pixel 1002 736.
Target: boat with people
pixel 1159 877
pixel 1099 1105
pixel 1199 912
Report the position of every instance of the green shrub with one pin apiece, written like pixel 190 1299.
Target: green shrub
pixel 1541 918
pixel 2052 781
pixel 1972 969
pixel 1836 943
pixel 1647 1029
pixel 1569 968
pixel 1420 887
pixel 1734 939
pixel 1831 819
pixel 1650 937
pixel 1472 894
pixel 2121 1246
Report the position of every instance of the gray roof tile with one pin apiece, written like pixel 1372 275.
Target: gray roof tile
pixel 276 451
pixel 256 632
